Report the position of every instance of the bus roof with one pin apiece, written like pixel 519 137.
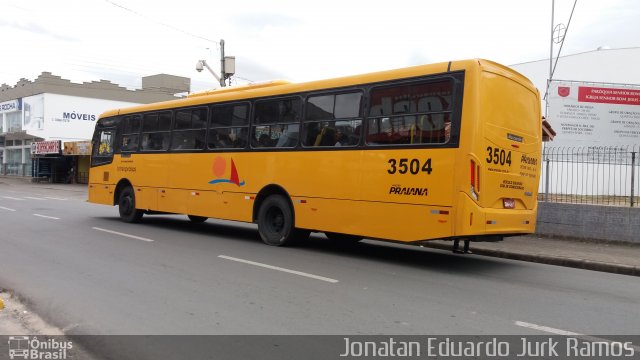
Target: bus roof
pixel 283 87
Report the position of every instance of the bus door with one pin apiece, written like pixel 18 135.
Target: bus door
pixel 100 178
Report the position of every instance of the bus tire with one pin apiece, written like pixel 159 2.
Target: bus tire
pixel 127 206
pixel 197 219
pixel 342 238
pixel 276 222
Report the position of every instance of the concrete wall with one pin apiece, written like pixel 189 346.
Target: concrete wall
pixel 589 221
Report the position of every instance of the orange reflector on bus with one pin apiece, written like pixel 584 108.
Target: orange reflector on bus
pixel 491 222
pixel 509 203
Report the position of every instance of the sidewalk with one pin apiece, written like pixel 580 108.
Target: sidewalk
pixel 18 180
pixel 607 256
pixel 16 319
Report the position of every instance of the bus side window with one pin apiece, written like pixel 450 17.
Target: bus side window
pixel 229 126
pixel 410 114
pixel 276 123
pixel 189 129
pixel 332 119
pixel 130 138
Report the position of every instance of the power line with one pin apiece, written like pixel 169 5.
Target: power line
pixel 161 23
pixel 242 78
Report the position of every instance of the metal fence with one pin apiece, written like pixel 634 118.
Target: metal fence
pixel 603 175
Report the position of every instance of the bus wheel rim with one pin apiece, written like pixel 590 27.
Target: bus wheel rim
pixel 126 204
pixel 275 219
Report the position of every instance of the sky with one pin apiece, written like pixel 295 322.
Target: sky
pixel 123 40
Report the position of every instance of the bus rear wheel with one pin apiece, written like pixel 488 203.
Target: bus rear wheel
pixel 197 219
pixel 276 222
pixel 127 206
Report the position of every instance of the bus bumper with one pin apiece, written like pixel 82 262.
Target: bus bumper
pixel 473 220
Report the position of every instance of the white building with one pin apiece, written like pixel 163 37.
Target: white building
pixel 604 67
pixel 594 106
pixel 54 109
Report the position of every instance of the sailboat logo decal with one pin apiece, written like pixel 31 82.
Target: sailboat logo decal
pixel 221 173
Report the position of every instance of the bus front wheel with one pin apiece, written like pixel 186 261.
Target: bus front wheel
pixel 127 206
pixel 276 223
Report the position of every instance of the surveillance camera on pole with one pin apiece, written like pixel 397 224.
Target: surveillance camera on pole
pixel 201 64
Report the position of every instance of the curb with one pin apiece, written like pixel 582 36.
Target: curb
pixel 550 260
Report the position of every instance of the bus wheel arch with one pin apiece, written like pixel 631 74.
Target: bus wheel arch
pixel 122 184
pixel 267 191
pixel 274 213
pixel 125 197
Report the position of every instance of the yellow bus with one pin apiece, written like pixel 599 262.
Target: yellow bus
pixel 443 151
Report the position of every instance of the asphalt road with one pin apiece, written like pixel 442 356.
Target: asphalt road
pixel 82 269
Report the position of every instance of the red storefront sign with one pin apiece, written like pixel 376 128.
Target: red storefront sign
pixel 609 95
pixel 45 147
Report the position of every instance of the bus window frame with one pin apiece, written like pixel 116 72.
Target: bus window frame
pixel 456 77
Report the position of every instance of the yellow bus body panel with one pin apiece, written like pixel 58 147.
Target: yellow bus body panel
pixel 350 190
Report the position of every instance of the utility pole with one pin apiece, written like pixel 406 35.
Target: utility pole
pixel 223 74
pixel 227 66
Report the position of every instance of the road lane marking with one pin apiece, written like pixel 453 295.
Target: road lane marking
pixel 295 272
pixel 547 329
pixel 123 234
pixel 568 333
pixel 55 198
pixel 6 208
pixel 13 198
pixel 47 217
pixel 34 198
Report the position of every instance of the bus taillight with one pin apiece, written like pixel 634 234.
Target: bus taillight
pixel 478 178
pixel 475 179
pixel 473 173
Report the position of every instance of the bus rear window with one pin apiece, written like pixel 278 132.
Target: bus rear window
pixel 410 114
